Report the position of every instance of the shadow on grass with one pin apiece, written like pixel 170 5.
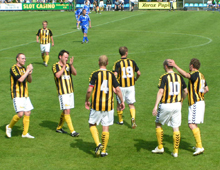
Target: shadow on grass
pixel 144 144
pixel 16 131
pixel 150 145
pixel 84 146
pixel 183 143
pixel 125 123
pixel 49 124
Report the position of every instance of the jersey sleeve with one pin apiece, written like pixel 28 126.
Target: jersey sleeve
pixel 15 73
pixel 135 66
pixel 50 32
pixel 183 83
pixel 38 32
pixel 114 81
pixel 55 68
pixel 162 82
pixel 116 67
pixel 93 78
pixel 194 76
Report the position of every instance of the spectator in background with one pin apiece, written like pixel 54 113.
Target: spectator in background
pixel 101 5
pixel 171 5
pixel 94 5
pixel 116 5
pixel 121 2
pixel 108 5
pixel 209 4
pixel 71 7
pixel 132 5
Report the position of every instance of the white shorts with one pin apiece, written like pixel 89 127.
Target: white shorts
pixel 128 94
pixel 105 117
pixel 66 101
pixel 169 114
pixel 45 48
pixel 101 4
pixel 196 113
pixel 22 104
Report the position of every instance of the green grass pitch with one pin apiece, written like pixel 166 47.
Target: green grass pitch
pixel 151 37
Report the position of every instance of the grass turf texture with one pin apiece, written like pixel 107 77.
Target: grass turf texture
pixel 151 37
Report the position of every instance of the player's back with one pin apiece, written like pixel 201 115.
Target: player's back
pixel 173 84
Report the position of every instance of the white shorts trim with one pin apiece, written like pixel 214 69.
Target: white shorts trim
pixel 196 112
pixel 45 48
pixel 128 94
pixel 22 104
pixel 169 114
pixel 105 117
pixel 66 101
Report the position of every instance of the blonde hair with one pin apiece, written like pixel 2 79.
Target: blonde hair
pixel 103 60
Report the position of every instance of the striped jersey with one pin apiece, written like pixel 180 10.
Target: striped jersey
pixel 18 89
pixel 64 84
pixel 173 85
pixel 44 35
pixel 103 82
pixel 126 69
pixel 196 86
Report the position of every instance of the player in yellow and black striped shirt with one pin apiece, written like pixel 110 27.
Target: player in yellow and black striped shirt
pixel 172 91
pixel 197 88
pixel 64 83
pixel 124 69
pixel 45 36
pixel 19 76
pixel 101 85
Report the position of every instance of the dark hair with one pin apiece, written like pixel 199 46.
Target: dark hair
pixel 61 53
pixel 123 50
pixel 18 55
pixel 165 63
pixel 195 62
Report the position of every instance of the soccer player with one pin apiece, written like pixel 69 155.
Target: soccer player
pixel 101 87
pixel 87 8
pixel 19 77
pixel 85 22
pixel 124 69
pixel 45 35
pixel 64 83
pixel 78 12
pixel 197 88
pixel 172 91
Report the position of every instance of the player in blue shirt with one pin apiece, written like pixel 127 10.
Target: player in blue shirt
pixel 85 23
pixel 78 12
pixel 87 8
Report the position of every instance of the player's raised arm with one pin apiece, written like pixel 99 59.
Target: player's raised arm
pixel 181 71
pixel 73 70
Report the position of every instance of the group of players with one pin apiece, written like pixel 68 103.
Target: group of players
pixel 102 85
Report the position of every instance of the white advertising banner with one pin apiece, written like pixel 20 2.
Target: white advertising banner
pixel 10 7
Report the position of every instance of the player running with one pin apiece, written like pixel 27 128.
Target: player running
pixel 85 22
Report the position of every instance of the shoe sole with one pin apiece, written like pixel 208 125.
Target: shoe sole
pixel 158 152
pixel 198 153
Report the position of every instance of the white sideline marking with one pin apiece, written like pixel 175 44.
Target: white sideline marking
pixel 68 33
